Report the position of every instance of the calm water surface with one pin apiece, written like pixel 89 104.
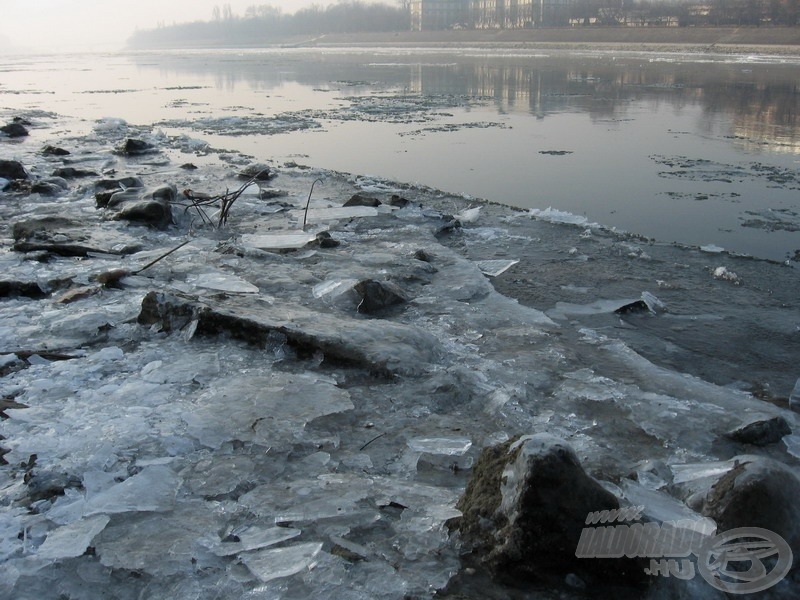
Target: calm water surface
pixel 699 149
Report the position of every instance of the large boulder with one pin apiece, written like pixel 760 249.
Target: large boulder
pixel 756 492
pixel 525 508
pixel 11 169
pixel 140 205
pixel 14 130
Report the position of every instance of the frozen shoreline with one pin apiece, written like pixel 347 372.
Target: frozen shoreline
pixel 321 459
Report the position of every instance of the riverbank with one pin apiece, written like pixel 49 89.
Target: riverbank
pixel 773 41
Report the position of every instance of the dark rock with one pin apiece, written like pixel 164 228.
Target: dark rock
pixel 21 121
pixel 325 240
pixel 398 201
pixel 155 213
pixel 188 166
pixel 134 147
pixel 54 151
pixel 451 226
pixel 44 485
pixel 423 256
pixel 382 347
pixel 67 237
pixel 359 200
pixel 639 306
pixel 756 492
pixel 106 188
pixel 151 207
pixel 257 171
pixel 73 173
pixel 13 289
pixel 525 507
pixel 11 169
pixel 378 295
pixel 14 130
pixel 761 432
pixel 52 186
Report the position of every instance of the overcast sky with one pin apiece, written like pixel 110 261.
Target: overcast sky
pixel 49 25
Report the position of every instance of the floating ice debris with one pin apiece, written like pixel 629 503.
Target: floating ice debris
pixel 469 215
pixel 553 215
pixel 724 274
pixel 255 537
pixel 663 507
pixel 712 249
pixel 281 562
pixel 333 288
pixel 694 471
pixel 493 268
pixel 792 444
pixel 152 489
pixel 447 446
pixel 72 540
pixel 652 302
pixel 279 241
pixel 107 124
pixel 223 282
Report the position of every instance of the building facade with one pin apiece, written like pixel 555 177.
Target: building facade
pixel 432 15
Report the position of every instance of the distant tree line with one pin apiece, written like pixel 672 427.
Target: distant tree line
pixel 261 22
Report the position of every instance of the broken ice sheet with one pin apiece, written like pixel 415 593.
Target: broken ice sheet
pixel 316 215
pixel 282 240
pixel 275 563
pixel 262 409
pixel 255 537
pixel 222 282
pixel 447 446
pixel 72 540
pixel 493 268
pixel 153 489
pixel 161 544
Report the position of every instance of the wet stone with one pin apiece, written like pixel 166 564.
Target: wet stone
pixel 136 147
pixel 11 169
pixel 361 200
pixel 54 151
pixel 761 432
pixel 73 173
pixel 14 130
pixel 378 295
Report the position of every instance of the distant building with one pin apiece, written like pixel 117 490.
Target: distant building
pixel 431 15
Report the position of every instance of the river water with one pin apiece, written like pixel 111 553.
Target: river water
pixel 222 421
pixel 701 149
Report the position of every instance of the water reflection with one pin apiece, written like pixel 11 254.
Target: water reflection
pixel 760 102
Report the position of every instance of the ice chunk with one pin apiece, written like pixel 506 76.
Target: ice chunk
pixel 279 240
pixel 792 444
pixel 255 537
pixel 663 508
pixel 712 249
pixel 223 282
pixel 281 562
pixel 107 124
pixel 794 397
pixel 724 274
pixel 73 539
pixel 152 489
pixel 446 446
pixel 470 215
pixel 493 268
pixel 652 302
pixel 333 288
pixel 694 471
pixel 106 354
pixel 262 409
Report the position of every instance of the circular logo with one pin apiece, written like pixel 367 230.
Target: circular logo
pixel 744 560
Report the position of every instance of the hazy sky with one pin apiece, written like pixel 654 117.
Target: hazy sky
pixel 105 24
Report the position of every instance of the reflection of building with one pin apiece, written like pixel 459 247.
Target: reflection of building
pixel 487 14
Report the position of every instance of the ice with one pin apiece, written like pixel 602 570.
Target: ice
pixel 792 444
pixel 333 288
pixel 470 215
pixel 110 124
pixel 276 563
pixel 218 475
pixel 153 489
pixel 794 396
pixel 553 215
pixel 255 537
pixel 261 409
pixel 726 275
pixel 493 268
pixel 161 544
pixel 223 282
pixel 445 446
pixel 315 215
pixel 698 471
pixel 712 249
pixel 663 508
pixel 73 539
pixel 278 240
pixel 106 354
